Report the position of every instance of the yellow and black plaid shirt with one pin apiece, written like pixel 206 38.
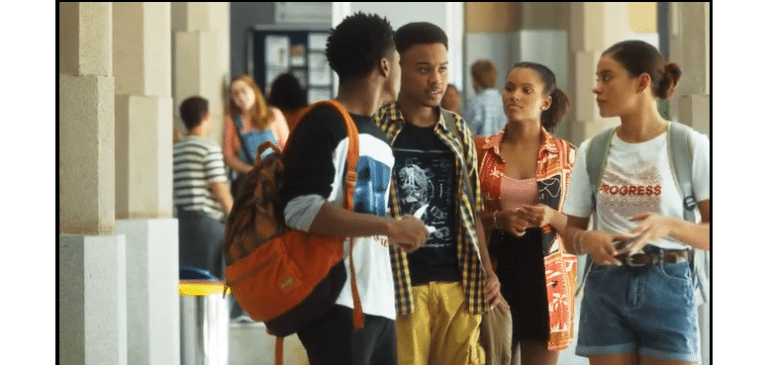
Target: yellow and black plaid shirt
pixel 390 119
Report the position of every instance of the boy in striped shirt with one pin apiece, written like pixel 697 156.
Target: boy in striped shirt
pixel 200 190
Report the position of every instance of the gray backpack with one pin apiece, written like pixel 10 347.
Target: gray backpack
pixel 681 161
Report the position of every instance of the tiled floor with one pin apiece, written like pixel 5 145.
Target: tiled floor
pixel 249 344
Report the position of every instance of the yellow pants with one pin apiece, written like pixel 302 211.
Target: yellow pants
pixel 440 331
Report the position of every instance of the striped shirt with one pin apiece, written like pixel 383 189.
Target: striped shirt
pixel 197 162
pixel 390 119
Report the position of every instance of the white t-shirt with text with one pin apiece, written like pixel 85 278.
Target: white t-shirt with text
pixel 637 179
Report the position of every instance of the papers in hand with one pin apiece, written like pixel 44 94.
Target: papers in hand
pixel 419 213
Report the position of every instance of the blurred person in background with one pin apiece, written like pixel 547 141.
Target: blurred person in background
pixel 452 99
pixel 484 112
pixel 200 190
pixel 253 122
pixel 287 95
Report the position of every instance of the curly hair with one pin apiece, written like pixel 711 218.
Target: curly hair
pixel 357 44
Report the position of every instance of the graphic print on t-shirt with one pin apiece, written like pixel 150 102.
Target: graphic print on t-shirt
pixel 372 186
pixel 630 192
pixel 425 178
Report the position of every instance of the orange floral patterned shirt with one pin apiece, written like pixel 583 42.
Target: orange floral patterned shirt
pixel 554 165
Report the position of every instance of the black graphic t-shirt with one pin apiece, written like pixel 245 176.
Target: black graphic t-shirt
pixel 425 176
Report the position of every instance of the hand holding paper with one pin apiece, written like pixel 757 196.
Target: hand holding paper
pixel 420 214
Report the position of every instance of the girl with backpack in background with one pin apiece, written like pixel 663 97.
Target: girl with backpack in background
pixel 639 305
pixel 250 122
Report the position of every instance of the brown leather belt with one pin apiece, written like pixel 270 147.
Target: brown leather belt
pixel 652 258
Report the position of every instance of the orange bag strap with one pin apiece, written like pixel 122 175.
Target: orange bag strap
pixel 353 151
pixel 279 351
pixel 350 180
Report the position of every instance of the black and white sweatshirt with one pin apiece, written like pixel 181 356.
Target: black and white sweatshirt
pixel 314 173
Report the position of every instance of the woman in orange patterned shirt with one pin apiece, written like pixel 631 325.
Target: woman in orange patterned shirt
pixel 524 173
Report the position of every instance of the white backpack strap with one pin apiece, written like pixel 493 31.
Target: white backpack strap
pixel 681 161
pixel 597 156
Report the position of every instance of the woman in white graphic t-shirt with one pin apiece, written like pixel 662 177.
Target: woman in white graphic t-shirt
pixel 638 305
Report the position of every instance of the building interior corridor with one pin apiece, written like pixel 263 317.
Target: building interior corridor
pixel 124 68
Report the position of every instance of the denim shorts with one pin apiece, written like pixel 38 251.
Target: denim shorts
pixel 650 310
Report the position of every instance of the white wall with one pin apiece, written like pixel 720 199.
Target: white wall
pixel 447 15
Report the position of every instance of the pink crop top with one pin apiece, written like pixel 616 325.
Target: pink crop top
pixel 515 193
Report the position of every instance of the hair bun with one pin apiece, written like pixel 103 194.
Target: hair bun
pixel 669 80
pixel 672 70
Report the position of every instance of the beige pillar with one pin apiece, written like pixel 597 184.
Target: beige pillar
pixel 92 297
pixel 201 58
pixel 585 43
pixel 617 26
pixel 689 39
pixel 86 99
pixel 143 115
pixel 593 27
pixel 144 122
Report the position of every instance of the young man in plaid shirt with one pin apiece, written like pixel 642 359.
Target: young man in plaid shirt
pixel 441 289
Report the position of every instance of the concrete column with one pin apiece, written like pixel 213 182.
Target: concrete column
pixel 143 115
pixel 144 176
pixel 689 39
pixel 201 59
pixel 585 44
pixel 91 280
pixel 152 286
pixel 86 99
pixel 593 27
pixel 92 321
pixel 616 26
pixel 544 39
